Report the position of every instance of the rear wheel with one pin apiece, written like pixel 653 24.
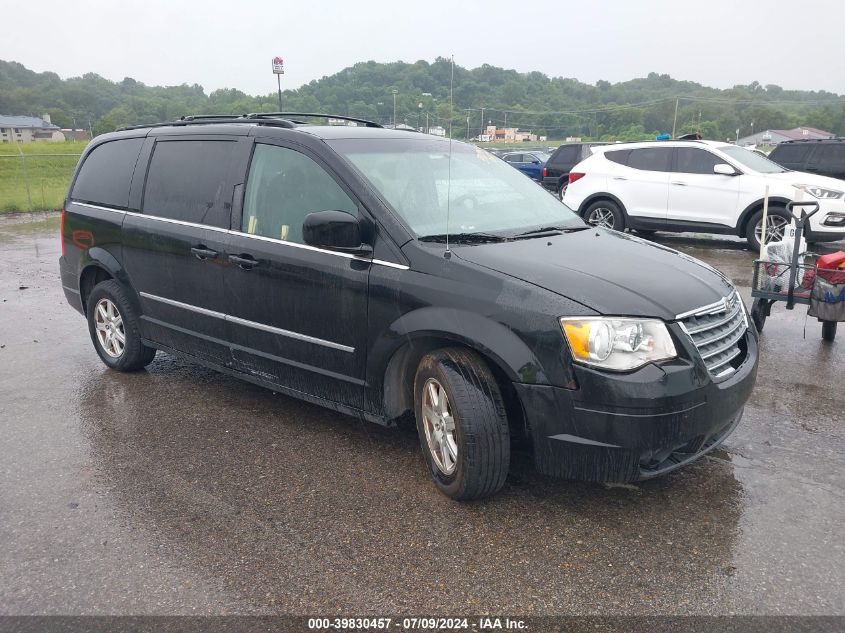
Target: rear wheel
pixel 776 224
pixel 605 213
pixel 828 331
pixel 113 325
pixel 462 424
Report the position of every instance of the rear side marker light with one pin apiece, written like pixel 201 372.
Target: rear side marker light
pixel 573 176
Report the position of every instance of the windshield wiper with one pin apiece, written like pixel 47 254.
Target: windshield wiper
pixel 548 230
pixel 465 238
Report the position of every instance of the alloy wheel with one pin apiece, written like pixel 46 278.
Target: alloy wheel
pixel 108 323
pixel 775 228
pixel 439 426
pixel 601 216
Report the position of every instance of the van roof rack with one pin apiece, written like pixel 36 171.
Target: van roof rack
pixel 321 115
pixel 274 119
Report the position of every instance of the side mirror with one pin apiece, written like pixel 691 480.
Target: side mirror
pixel 723 169
pixel 335 230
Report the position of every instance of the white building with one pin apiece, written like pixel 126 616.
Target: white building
pixel 28 129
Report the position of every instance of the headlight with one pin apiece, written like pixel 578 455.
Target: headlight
pixel 820 192
pixel 617 343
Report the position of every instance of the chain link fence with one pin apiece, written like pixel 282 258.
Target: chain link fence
pixel 33 182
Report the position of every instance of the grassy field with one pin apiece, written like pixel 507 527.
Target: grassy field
pixel 35 176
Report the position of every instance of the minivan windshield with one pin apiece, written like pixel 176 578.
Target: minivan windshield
pixel 752 160
pixel 485 194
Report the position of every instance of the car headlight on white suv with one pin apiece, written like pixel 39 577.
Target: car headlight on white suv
pixel 819 192
pixel 617 343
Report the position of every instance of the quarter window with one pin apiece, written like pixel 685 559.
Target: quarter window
pixel 186 181
pixel 105 175
pixel 789 154
pixel 650 158
pixel 691 160
pixel 282 188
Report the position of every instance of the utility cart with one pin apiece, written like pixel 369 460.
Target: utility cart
pixel 786 274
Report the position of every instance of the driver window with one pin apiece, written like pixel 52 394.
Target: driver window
pixel 283 187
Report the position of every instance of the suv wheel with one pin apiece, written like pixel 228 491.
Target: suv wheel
pixel 113 325
pixel 605 213
pixel 462 424
pixel 776 223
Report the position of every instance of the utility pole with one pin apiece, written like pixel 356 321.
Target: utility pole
pixel 482 121
pixel 675 119
pixel 395 92
pixel 467 125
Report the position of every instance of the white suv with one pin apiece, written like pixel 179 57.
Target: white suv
pixel 700 186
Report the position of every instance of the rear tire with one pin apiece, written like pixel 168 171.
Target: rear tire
pixel 829 331
pixel 113 325
pixel 462 424
pixel 605 213
pixel 777 222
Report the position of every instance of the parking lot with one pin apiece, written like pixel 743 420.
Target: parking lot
pixel 178 490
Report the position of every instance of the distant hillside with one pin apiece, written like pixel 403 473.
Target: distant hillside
pixel 556 106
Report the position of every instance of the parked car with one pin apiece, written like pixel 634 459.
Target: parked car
pixel 530 163
pixel 390 275
pixel 562 160
pixel 701 186
pixel 825 157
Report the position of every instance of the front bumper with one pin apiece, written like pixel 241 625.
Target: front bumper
pixel 828 223
pixel 626 427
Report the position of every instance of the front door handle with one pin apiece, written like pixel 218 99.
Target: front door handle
pixel 619 178
pixel 203 253
pixel 680 184
pixel 244 260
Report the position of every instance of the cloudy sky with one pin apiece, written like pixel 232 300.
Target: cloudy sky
pixel 230 44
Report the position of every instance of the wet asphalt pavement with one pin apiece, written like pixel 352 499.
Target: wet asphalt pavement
pixel 182 491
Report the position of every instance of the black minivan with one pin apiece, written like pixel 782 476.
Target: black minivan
pixel 389 275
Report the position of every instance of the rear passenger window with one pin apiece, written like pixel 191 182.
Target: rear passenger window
pixel 106 173
pixel 282 188
pixel 650 158
pixel 186 181
pixel 513 158
pixel 831 155
pixel 689 160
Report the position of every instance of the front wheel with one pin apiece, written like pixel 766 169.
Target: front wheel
pixel 759 313
pixel 777 222
pixel 605 213
pixel 462 424
pixel 828 331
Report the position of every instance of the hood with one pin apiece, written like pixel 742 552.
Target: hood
pixel 612 273
pixel 804 178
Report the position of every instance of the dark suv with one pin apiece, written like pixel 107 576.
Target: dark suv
pixel 825 157
pixel 389 275
pixel 556 170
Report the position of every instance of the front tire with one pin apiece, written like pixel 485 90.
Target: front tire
pixel 605 213
pixel 776 223
pixel 113 325
pixel 462 424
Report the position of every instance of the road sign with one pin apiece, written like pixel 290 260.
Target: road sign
pixel 278 66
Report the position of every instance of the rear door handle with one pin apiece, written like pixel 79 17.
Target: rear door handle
pixel 619 178
pixel 201 252
pixel 680 184
pixel 244 260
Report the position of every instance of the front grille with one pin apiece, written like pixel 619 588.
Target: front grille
pixel 717 332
